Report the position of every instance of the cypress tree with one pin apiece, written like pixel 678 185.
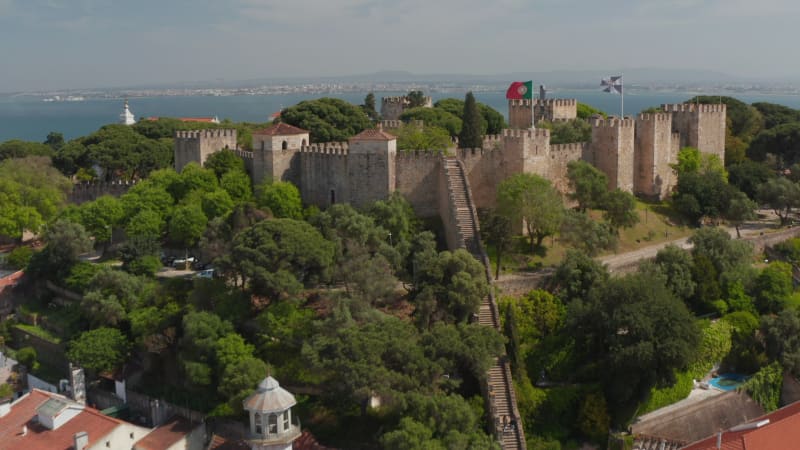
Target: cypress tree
pixel 470 136
pixel 369 106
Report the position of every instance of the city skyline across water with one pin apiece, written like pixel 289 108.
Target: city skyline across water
pixel 31 119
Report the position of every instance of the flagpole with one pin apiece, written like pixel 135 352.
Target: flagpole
pixel 622 96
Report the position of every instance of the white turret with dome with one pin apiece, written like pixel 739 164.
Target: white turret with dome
pixel 270 412
pixel 126 116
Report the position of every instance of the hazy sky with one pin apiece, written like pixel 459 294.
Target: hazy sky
pixel 48 44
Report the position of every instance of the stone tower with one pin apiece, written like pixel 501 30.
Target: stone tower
pixel 371 166
pixel 520 113
pixel 700 126
pixel 392 107
pixel 271 426
pixel 555 109
pixel 612 150
pixel 198 145
pixel 656 147
pixel 274 150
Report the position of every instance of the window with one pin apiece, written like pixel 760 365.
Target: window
pixel 273 424
pixel 304 143
pixel 284 145
pixel 257 420
pixel 286 421
pixel 333 196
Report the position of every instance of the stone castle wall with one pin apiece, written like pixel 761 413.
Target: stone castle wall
pixel 700 126
pixel 418 178
pixel 197 145
pixel 87 192
pixel 612 150
pixel 635 155
pixel 556 109
pixel 654 151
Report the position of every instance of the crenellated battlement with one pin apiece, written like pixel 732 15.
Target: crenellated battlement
pixel 529 133
pixel 327 148
pixel 87 185
pixel 520 103
pixel 244 154
pixel 613 122
pixel 391 124
pixel 395 99
pixel 200 134
pixel 557 102
pixel 570 148
pixel 420 154
pixel 654 117
pixel 694 107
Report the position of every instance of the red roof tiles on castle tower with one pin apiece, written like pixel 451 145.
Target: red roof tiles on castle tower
pixel 281 129
pixel 373 134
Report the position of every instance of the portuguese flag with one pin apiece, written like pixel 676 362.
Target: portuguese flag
pixel 519 90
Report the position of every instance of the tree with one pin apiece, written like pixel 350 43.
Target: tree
pixel 775 114
pixel 620 209
pixel 576 275
pixel 565 132
pixel 450 287
pixel 369 106
pixel 434 117
pixel 31 193
pixel 327 119
pixel 782 333
pixel 216 203
pixel 201 334
pixel 588 184
pixel 729 256
pixel 237 185
pixel 531 199
pixel 224 161
pixel 282 198
pixel 782 141
pixel 781 195
pixel 412 137
pixel 586 234
pixel 240 378
pixel 471 135
pixel 676 264
pixel 586 112
pixel 187 224
pixel 101 349
pixel 65 241
pixel 276 258
pixel 496 231
pixel 634 333
pixel 16 148
pixel 740 209
pixel 101 216
pixel 493 121
pixel 773 287
pixel 415 99
pixel 748 176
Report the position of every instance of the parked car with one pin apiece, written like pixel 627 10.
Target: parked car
pixel 207 273
pixel 180 263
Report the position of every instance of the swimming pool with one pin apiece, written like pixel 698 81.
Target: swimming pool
pixel 728 381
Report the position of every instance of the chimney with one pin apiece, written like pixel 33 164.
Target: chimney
pixel 81 440
pixel 24 430
pixel 719 440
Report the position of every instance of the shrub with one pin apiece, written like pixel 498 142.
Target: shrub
pixel 765 386
pixel 18 258
pixel 27 357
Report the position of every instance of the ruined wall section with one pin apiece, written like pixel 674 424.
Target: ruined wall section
pixel 653 154
pixel 700 126
pixel 198 145
pixel 560 157
pixel 612 150
pixel 418 180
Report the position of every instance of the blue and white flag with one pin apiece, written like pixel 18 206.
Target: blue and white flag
pixel 612 84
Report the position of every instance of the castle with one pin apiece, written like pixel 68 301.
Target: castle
pixel 635 154
pixel 393 107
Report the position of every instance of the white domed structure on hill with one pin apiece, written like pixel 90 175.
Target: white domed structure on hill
pixel 126 116
pixel 270 412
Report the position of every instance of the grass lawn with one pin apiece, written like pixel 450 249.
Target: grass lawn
pixel 657 223
pixel 40 332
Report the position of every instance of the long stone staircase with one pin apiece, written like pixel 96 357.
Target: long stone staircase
pixel 499 389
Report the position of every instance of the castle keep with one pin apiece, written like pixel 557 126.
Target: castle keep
pixel 635 154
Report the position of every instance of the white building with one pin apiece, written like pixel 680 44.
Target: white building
pixel 126 116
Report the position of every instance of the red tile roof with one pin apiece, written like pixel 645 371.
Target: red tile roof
pixel 40 438
pixel 306 441
pixel 189 119
pixel 166 434
pixel 281 129
pixel 373 134
pixel 782 432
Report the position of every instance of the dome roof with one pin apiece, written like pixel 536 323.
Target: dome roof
pixel 270 397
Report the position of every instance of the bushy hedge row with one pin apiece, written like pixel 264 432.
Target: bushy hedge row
pixel 765 386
